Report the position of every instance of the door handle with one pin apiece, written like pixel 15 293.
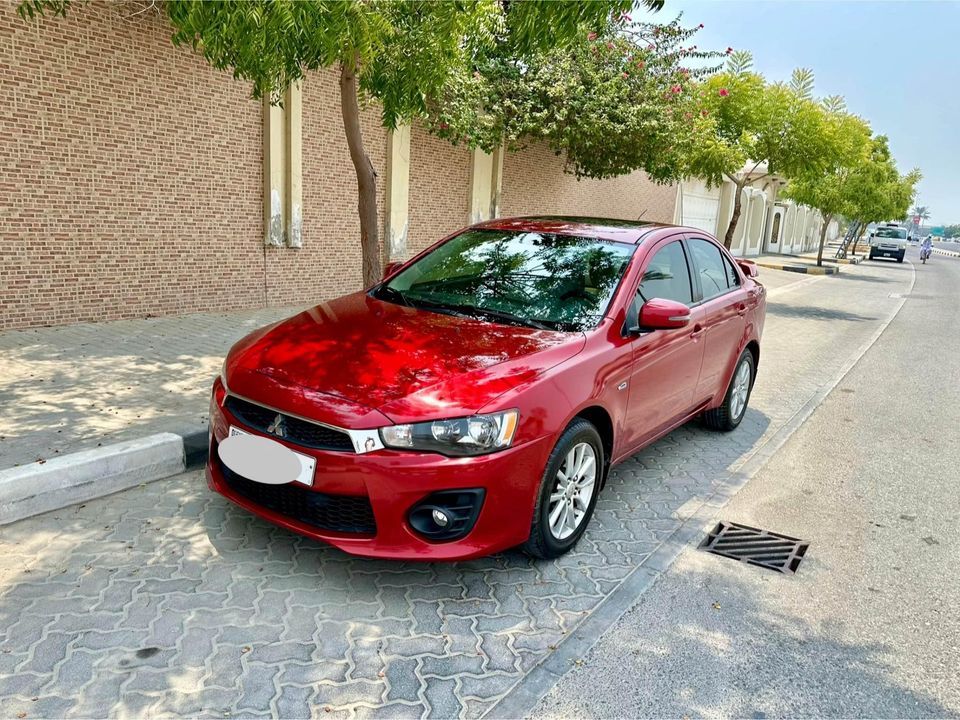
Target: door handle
pixel 742 309
pixel 697 331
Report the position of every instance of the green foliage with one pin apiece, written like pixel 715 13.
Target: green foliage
pixel 951 231
pixel 801 82
pixel 618 98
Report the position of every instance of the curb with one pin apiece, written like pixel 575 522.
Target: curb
pixel 36 488
pixel 948 253
pixel 520 700
pixel 799 268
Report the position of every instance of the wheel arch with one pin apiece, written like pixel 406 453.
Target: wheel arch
pixel 598 416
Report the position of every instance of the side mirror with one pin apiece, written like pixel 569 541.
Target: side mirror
pixel 391 268
pixel 658 314
pixel 749 268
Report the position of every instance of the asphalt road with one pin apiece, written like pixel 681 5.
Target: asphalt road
pixel 870 625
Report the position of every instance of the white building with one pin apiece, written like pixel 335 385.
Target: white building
pixel 767 225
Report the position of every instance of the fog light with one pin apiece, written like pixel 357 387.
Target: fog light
pixel 440 518
pixel 447 514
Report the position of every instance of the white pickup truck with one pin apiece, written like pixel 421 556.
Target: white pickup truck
pixel 888 240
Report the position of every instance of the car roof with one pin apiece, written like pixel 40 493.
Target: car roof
pixel 627 231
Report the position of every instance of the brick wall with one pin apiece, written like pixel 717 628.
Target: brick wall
pixel 131 180
pixel 129 173
pixel 439 189
pixel 534 183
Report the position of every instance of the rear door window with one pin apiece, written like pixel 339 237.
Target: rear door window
pixel 712 268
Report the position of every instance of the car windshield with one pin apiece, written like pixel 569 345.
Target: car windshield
pixel 553 282
pixel 898 233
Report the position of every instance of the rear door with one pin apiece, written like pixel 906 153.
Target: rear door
pixel 665 363
pixel 722 298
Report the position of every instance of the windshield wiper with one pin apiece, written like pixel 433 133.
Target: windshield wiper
pixel 393 294
pixel 501 315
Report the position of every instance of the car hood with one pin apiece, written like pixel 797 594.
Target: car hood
pixel 409 364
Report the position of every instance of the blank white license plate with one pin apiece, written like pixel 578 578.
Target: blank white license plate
pixel 307 463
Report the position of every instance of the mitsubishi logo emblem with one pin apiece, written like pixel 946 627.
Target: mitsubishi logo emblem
pixel 277 427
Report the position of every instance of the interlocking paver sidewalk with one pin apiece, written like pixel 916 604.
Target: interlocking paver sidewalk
pixel 70 388
pixel 167 600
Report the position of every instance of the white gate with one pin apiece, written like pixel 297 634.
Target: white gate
pixel 700 206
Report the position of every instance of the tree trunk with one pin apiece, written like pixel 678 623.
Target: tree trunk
pixel 861 229
pixel 735 218
pixel 823 239
pixel 366 175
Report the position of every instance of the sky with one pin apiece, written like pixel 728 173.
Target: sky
pixel 896 63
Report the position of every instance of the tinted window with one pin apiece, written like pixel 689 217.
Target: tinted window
pixel 711 267
pixel 733 280
pixel 558 282
pixel 667 276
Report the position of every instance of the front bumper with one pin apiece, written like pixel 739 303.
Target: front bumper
pixel 394 481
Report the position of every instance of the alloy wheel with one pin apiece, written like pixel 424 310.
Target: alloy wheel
pixel 741 389
pixel 573 490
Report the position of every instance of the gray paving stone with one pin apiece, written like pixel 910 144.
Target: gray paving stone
pixel 442 698
pixel 403 680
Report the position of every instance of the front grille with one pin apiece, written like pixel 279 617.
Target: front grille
pixel 295 430
pixel 340 513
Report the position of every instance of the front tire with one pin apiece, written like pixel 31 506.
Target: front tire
pixel 728 415
pixel 568 491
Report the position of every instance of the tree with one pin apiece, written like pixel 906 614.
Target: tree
pixel 400 54
pixel 751 121
pixel 832 190
pixel 615 100
pixel 922 212
pixel 876 191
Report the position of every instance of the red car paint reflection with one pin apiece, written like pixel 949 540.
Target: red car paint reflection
pixel 369 361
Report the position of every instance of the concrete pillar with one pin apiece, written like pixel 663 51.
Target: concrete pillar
pixel 397 193
pixel 725 211
pixel 283 170
pixel 497 181
pixel 293 112
pixel 772 188
pixel 481 186
pixel 486 182
pixel 274 187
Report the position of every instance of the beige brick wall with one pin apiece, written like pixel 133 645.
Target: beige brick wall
pixel 131 180
pixel 534 183
pixel 439 189
pixel 129 173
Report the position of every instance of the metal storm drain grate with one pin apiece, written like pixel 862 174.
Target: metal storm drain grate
pixel 757 547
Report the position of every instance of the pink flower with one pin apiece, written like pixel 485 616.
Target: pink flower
pixel 676 89
pixel 704 113
pixel 626 75
pixel 591 36
pixel 444 126
pixel 640 63
pixel 724 92
pixel 609 46
pixel 729 50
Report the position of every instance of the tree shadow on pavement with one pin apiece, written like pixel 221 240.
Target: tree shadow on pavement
pixel 813 313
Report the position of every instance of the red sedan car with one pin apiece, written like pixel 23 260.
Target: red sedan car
pixel 476 399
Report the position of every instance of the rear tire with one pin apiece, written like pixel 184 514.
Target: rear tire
pixel 557 500
pixel 728 415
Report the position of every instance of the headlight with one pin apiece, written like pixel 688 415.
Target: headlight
pixel 474 435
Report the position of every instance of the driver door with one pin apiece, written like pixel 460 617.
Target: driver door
pixel 666 363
